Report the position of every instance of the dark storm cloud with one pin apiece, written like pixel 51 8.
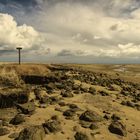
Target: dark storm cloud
pixel 21 2
pixel 110 7
pixel 7 52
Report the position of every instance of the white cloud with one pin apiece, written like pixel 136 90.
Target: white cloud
pixel 129 49
pixel 80 27
pixel 136 14
pixel 12 35
pixel 97 37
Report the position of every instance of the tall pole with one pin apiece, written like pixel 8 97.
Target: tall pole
pixel 19 55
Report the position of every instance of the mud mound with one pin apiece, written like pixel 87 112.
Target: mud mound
pixel 11 98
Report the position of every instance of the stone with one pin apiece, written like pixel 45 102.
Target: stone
pixel 62 103
pixel 131 104
pixel 8 100
pixel 1 123
pixel 115 117
pixel 43 105
pixel 128 103
pixel 39 93
pixel 5 123
pixel 85 124
pixel 93 126
pixel 4 131
pixel 69 113
pixel 54 100
pixel 58 109
pixel 32 133
pixel 27 108
pixel 60 85
pixel 84 88
pixel 13 135
pixel 50 86
pixel 90 116
pixel 118 128
pixel 80 136
pixel 67 94
pixel 73 106
pixel 77 92
pixel 107 116
pixel 18 119
pixel 76 87
pixel 92 90
pixel 104 93
pixel 55 117
pixel 45 99
pixel 52 126
pixel 137 107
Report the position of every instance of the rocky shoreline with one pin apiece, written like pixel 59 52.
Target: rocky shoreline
pixel 82 105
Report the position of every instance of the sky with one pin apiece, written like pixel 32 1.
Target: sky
pixel 70 31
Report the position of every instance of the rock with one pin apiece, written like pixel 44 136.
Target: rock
pixel 85 124
pixel 66 94
pixel 27 108
pixel 4 131
pixel 92 90
pixel 8 100
pixel 5 123
pixel 18 119
pixel 34 79
pixel 90 116
pixel 118 128
pixel 50 86
pixel 13 135
pixel 42 106
pixel 69 113
pixel 80 136
pixel 32 133
pixel 62 103
pixel 131 104
pixel 60 86
pixel 55 117
pixel 123 103
pixel 106 112
pixel 54 100
pixel 107 116
pixel 76 128
pixel 128 103
pixel 137 107
pixel 104 93
pixel 76 87
pixel 1 123
pixel 77 92
pixel 52 126
pixel 74 107
pixel 93 126
pixel 115 117
pixel 39 93
pixel 45 99
pixel 84 88
pixel 7 114
pixel 58 109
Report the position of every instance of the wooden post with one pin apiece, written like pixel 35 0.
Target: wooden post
pixel 19 54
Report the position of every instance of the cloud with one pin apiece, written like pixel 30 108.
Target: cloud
pixel 81 28
pixel 13 36
pixel 78 28
pixel 67 52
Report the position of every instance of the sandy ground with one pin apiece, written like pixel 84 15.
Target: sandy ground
pixel 86 101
